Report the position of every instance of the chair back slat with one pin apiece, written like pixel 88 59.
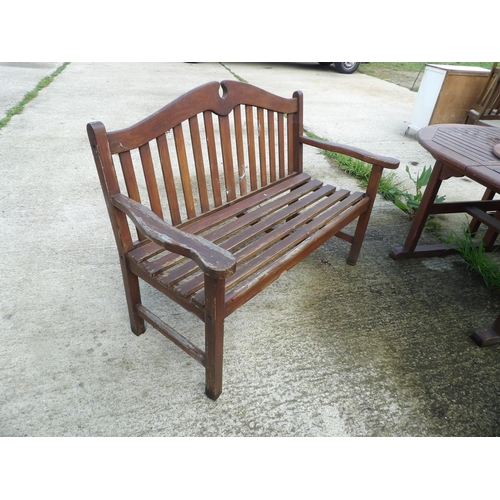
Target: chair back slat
pixel 227 157
pixel 261 132
pixel 290 156
pixel 212 158
pixel 199 163
pixel 487 105
pixel 150 177
pixel 180 147
pixel 129 176
pixel 240 154
pixel 130 179
pixel 281 145
pixel 252 162
pixel 272 145
pixel 168 179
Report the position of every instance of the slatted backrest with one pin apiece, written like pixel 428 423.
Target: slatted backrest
pixel 488 101
pixel 208 147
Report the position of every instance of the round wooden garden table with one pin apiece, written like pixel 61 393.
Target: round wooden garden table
pixel 459 150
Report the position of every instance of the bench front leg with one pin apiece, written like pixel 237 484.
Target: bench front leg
pixel 214 335
pixel 359 234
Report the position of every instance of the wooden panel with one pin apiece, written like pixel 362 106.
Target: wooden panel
pixel 458 94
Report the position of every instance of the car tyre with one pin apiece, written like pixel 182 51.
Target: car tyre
pixel 346 67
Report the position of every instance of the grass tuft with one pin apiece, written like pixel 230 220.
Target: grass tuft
pixel 389 183
pixel 474 255
pixel 18 108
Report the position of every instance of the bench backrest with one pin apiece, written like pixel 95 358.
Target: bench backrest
pixel 210 146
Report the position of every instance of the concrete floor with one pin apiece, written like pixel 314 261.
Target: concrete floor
pixel 379 349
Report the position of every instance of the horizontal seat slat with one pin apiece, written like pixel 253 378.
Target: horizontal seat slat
pixel 251 231
pixel 242 204
pixel 274 244
pixel 245 290
pixel 208 221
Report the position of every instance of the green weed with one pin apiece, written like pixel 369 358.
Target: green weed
pixel 18 108
pixel 474 255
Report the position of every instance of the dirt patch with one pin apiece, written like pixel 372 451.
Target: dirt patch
pixel 408 79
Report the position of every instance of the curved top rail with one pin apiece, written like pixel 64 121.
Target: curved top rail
pixel 207 97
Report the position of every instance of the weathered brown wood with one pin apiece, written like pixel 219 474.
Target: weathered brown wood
pixel 251 148
pixel 240 155
pixel 227 158
pixel 199 163
pixel 180 147
pixel 168 178
pixel 214 336
pixel 253 217
pixel 281 145
pixel 259 220
pixel 212 157
pixel 272 145
pixel 151 184
pixel 261 127
pixel 173 335
pixel 487 105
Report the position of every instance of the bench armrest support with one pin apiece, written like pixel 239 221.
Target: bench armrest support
pixel 213 260
pixel 359 154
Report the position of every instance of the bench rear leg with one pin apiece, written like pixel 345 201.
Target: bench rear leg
pixel 214 335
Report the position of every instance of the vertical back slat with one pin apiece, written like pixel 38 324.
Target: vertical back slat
pixel 168 179
pixel 272 146
pixel 289 130
pixel 262 146
pixel 281 144
pixel 130 180
pixel 180 147
pixel 240 156
pixel 251 148
pixel 151 184
pixel 199 165
pixel 129 176
pixel 227 157
pixel 212 157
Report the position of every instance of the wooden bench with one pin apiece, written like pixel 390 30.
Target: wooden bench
pixel 223 207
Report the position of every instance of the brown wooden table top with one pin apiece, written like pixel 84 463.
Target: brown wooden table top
pixel 466 148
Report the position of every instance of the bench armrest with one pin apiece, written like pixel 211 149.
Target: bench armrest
pixel 213 260
pixel 360 154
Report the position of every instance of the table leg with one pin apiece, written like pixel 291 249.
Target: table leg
pixel 430 193
pixel 486 337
